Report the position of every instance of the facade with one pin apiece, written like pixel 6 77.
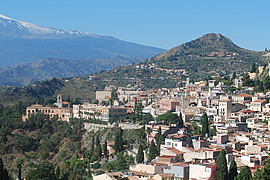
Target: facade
pixel 179 171
pixel 109 112
pixel 257 105
pixel 200 171
pixel 87 111
pixel 103 95
pixel 64 114
pixel 168 105
pixel 225 109
pixel 241 98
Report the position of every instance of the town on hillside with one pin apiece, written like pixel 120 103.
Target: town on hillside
pixel 199 130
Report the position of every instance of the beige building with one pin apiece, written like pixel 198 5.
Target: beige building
pixel 64 114
pixel 110 111
pixel 103 95
pixel 87 111
pixel 225 109
pixel 257 105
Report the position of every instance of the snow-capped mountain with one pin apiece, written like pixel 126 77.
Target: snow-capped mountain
pixel 11 28
pixel 23 42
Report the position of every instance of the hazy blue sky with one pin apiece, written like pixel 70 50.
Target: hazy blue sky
pixel 160 23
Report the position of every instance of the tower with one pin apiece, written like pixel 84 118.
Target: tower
pixel 59 98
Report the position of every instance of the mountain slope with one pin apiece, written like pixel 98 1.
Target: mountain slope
pixel 197 60
pixel 28 73
pixel 22 42
pixel 211 54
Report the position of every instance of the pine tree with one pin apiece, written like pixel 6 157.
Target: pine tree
pixel 140 155
pixel 152 151
pixel 245 174
pixel 105 150
pixel 205 125
pixel 232 170
pixel 222 164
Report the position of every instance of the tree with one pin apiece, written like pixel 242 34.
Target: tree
pixel 159 140
pixel 99 151
pixel 253 68
pixel 42 171
pixel 152 151
pixel 232 170
pixel 3 171
pixel 93 144
pixel 222 164
pixel 148 130
pixel 214 174
pixel 140 155
pixel 264 172
pixel 97 141
pixel 105 150
pixel 118 140
pixel 205 125
pixel 233 76
pixel 180 122
pixel 169 118
pixel 245 174
pixel 57 172
pixel 19 163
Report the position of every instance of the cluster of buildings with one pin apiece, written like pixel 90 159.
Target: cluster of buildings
pixel 239 122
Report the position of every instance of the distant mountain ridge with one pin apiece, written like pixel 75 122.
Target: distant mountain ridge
pixel 23 42
pixel 28 73
pixel 15 29
pixel 199 59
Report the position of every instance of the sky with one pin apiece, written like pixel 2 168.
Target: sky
pixel 159 23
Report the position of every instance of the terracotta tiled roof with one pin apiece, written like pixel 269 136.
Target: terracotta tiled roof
pixel 260 101
pixel 189 148
pixel 243 95
pixel 166 175
pixel 176 151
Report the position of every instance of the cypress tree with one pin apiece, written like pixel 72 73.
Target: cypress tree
pixel 152 151
pixel 232 170
pixel 253 68
pixel 3 171
pixel 105 150
pixel 140 155
pixel 57 172
pixel 245 174
pixel 99 151
pixel 118 141
pixel 19 163
pixel 222 165
pixel 93 144
pixel 180 122
pixel 97 141
pixel 204 123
